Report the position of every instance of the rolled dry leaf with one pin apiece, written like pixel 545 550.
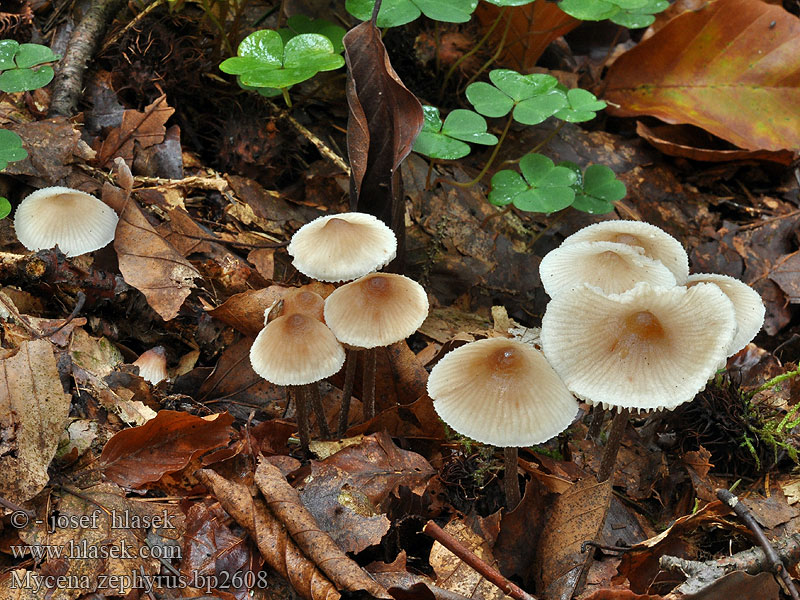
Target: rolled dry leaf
pixel 272 539
pixel 284 501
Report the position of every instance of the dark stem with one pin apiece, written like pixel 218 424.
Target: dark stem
pixel 368 383
pixel 511 479
pixel 312 391
pixel 612 445
pixel 598 416
pixel 301 414
pixel 350 361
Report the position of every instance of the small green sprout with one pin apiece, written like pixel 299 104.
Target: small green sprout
pixel 533 98
pixel 299 24
pixel 400 12
pixel 446 140
pixel 17 62
pixel 596 189
pixel 545 188
pixel 634 14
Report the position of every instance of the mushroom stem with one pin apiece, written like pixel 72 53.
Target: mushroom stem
pixel 347 390
pixel 510 479
pixel 312 391
pixel 368 384
pixel 598 416
pixel 615 434
pixel 301 410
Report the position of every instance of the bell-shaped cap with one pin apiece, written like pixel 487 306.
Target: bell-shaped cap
pixel 747 304
pixel 654 241
pixel 376 310
pixel 74 221
pixel 610 266
pixel 153 365
pixel 502 392
pixel 295 350
pixel 649 348
pixel 342 247
pixel 305 302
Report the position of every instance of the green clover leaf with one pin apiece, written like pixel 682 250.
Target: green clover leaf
pixel 17 62
pixel 298 24
pixel 596 189
pixel 5 207
pixel 446 140
pixel 533 98
pixel 510 2
pixel 263 61
pixel 545 188
pixel 628 13
pixel 582 106
pixel 11 149
pixel 400 12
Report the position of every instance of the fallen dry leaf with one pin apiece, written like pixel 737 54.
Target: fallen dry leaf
pixel 53 146
pixel 146 128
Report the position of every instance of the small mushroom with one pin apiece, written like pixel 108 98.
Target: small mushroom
pixel 502 392
pixel 153 365
pixel 74 221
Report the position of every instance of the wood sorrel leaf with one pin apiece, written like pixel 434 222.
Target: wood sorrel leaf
pixel 11 149
pixel 533 97
pixel 545 187
pixel 17 62
pixel 400 12
pixel 582 106
pixel 446 140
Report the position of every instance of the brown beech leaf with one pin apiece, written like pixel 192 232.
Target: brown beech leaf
pixel 33 413
pixel 147 128
pixel 285 503
pixel 147 261
pixel 52 145
pixel 384 120
pixel 271 538
pixel 165 444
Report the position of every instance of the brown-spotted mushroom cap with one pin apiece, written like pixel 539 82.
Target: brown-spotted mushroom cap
pixel 376 310
pixel 502 392
pixel 747 305
pixel 305 302
pixel 153 365
pixel 342 247
pixel 610 266
pixel 75 221
pixel 654 241
pixel 295 350
pixel 649 348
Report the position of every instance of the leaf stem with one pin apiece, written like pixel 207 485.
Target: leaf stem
pixel 488 164
pixel 496 54
pixel 285 92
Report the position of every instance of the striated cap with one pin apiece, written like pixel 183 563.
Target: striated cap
pixel 610 266
pixel 654 242
pixel 295 350
pixel 342 247
pixel 649 348
pixel 502 392
pixel 74 221
pixel 153 365
pixel 376 310
pixel 747 304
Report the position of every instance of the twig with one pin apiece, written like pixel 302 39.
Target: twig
pixel 618 425
pixel 776 565
pixel 511 478
pixel 431 529
pixel 78 307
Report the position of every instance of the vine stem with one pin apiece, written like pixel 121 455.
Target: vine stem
pixel 488 164
pixel 496 54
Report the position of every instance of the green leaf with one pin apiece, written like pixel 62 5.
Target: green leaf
pixel 400 12
pixel 589 10
pixel 11 149
pixel 25 80
pixel 533 97
pixel 510 2
pixel 520 87
pixel 436 145
pixel 30 55
pixel 488 100
pixel 536 110
pixel 545 188
pixel 468 126
pixel 5 207
pixel 446 140
pixel 632 19
pixel 596 189
pixel 506 185
pixel 298 24
pixel 582 106
pixel 8 48
pixel 16 62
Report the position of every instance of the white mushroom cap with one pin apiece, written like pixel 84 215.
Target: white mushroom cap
pixel 747 304
pixel 153 365
pixel 342 247
pixel 649 348
pixel 376 310
pixel 654 241
pixel 610 266
pixel 295 350
pixel 502 392
pixel 74 221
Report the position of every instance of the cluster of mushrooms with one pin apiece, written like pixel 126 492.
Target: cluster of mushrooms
pixel 627 328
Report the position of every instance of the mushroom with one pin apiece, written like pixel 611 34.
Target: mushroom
pixel 376 310
pixel 74 221
pixel 342 247
pixel 296 350
pixel 611 266
pixel 653 241
pixel 647 349
pixel 153 365
pixel 502 392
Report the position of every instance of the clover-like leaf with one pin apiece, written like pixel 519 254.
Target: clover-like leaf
pixel 533 97
pixel 596 189
pixel 5 207
pixel 640 17
pixel 545 187
pixel 17 62
pixel 582 106
pixel 400 12
pixel 589 10
pixel 628 13
pixel 263 61
pixel 11 149
pixel 299 24
pixel 446 140
pixel 510 2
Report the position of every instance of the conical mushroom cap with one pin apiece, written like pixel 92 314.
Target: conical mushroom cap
pixel 153 365
pixel 610 266
pixel 650 348
pixel 376 310
pixel 75 221
pixel 654 241
pixel 305 302
pixel 502 392
pixel 747 304
pixel 296 350
pixel 342 247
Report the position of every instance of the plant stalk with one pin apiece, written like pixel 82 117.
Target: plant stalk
pixel 618 426
pixel 351 358
pixel 510 478
pixel 301 414
pixel 368 383
pixel 312 390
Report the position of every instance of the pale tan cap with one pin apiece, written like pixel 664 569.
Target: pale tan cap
pixel 647 349
pixel 610 266
pixel 342 247
pixel 153 365
pixel 75 221
pixel 295 350
pixel 654 241
pixel 747 304
pixel 376 310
